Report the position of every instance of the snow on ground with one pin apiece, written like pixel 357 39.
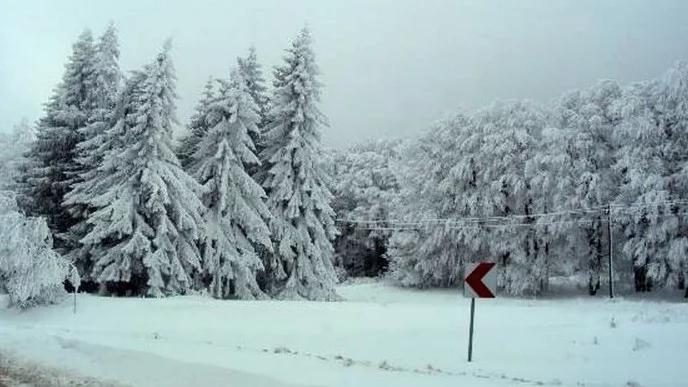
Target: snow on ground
pixel 380 336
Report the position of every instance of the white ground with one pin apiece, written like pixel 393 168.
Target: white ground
pixel 381 336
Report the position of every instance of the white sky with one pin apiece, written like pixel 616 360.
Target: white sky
pixel 391 67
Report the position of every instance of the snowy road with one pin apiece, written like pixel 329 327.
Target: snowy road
pixel 381 337
pixel 17 372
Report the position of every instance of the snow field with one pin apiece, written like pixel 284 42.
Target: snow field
pixel 380 336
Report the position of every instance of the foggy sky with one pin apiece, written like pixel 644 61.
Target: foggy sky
pixel 390 67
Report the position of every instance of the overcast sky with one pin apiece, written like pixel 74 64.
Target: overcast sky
pixel 390 67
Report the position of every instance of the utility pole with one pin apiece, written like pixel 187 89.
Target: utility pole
pixel 611 269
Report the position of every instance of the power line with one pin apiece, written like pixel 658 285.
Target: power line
pixel 493 226
pixel 454 223
pixel 483 218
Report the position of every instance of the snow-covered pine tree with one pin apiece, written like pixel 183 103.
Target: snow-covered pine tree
pixel 149 215
pixel 237 217
pixel 53 164
pixel 104 87
pixel 13 147
pixel 252 72
pixel 302 265
pixel 198 126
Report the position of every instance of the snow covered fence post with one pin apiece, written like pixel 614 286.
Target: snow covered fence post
pixel 480 282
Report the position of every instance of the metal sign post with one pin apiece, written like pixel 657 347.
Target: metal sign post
pixel 470 331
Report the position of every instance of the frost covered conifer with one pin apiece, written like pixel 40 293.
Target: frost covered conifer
pixel 298 198
pixel 237 215
pixel 148 215
pixel 53 156
pixel 252 73
pixel 13 147
pixel 198 126
pixel 103 89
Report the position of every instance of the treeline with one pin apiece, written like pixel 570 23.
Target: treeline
pixel 239 209
pixel 244 205
pixel 529 187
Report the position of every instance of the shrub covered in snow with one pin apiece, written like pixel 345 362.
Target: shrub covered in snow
pixel 30 271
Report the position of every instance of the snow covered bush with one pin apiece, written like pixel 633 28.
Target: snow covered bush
pixel 30 271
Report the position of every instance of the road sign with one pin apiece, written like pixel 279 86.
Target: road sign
pixel 480 280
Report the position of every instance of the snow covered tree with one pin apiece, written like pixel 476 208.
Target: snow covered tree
pixel 673 108
pixel 651 160
pixel 104 86
pixel 553 180
pixel 364 187
pixel 511 135
pixel 470 172
pixel 13 147
pixel 302 265
pixel 53 163
pixel 588 120
pixel 439 181
pixel 531 187
pixel 143 234
pixel 30 271
pixel 252 73
pixel 237 217
pixel 198 126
